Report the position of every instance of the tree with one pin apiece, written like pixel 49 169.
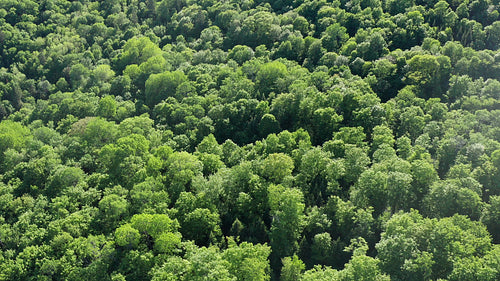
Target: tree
pixel 446 198
pixel 241 54
pixel 113 209
pixel 62 178
pixel 356 161
pixel 277 166
pixel 321 274
pixel 127 236
pixel 107 107
pixel 292 268
pixel 287 209
pixel 244 140
pixel 398 6
pixel 174 268
pixel 149 196
pixel 136 51
pixel 322 249
pixel 163 85
pixel 474 268
pixel 334 37
pixel 318 175
pixel 430 73
pixel 315 52
pixel 96 132
pixel 371 190
pixel 493 35
pixel 153 225
pixel 102 75
pixel 12 135
pixel 182 167
pixel 382 135
pixel 203 262
pixel 491 216
pixel 248 261
pixel 256 29
pixel 424 175
pixel 362 267
pixel 202 226
pixel 270 78
pixel 268 125
pixel 417 248
pixel 325 122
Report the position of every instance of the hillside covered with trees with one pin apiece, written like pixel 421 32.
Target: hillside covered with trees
pixel 249 140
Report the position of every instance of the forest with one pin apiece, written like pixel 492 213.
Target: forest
pixel 250 140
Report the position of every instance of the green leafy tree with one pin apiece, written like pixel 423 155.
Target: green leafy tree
pixel 362 267
pixel 182 167
pixel 287 209
pixel 270 78
pixel 292 268
pixel 107 107
pixel 136 51
pixel 113 209
pixel 127 236
pixel 269 125
pixel 248 261
pixel 202 226
pixel 12 135
pixel 241 54
pixel 449 197
pixel 277 166
pixel 417 248
pixel 163 85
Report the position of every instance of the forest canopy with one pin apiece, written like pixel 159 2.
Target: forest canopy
pixel 250 140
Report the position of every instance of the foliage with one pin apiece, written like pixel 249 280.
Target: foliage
pixel 249 140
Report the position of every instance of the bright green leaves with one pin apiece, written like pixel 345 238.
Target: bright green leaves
pixel 237 262
pixel 12 135
pixel 113 208
pixel 364 268
pixel 491 217
pixel 371 190
pixel 107 107
pixel 474 268
pixel 202 226
pixel 334 37
pixel 64 177
pixel 156 230
pixel 248 261
pixel 287 209
pixel 241 54
pixel 292 268
pixel 153 225
pixel 137 51
pixel 430 73
pixel 149 196
pixel 277 166
pixel 96 132
pixel 326 121
pixel 115 112
pixel 127 236
pixel 163 85
pixel 182 167
pixel 270 78
pixel 167 242
pixel 318 175
pixel 417 248
pixel 449 197
pixel 124 158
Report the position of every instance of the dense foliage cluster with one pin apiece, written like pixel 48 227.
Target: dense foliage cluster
pixel 249 140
